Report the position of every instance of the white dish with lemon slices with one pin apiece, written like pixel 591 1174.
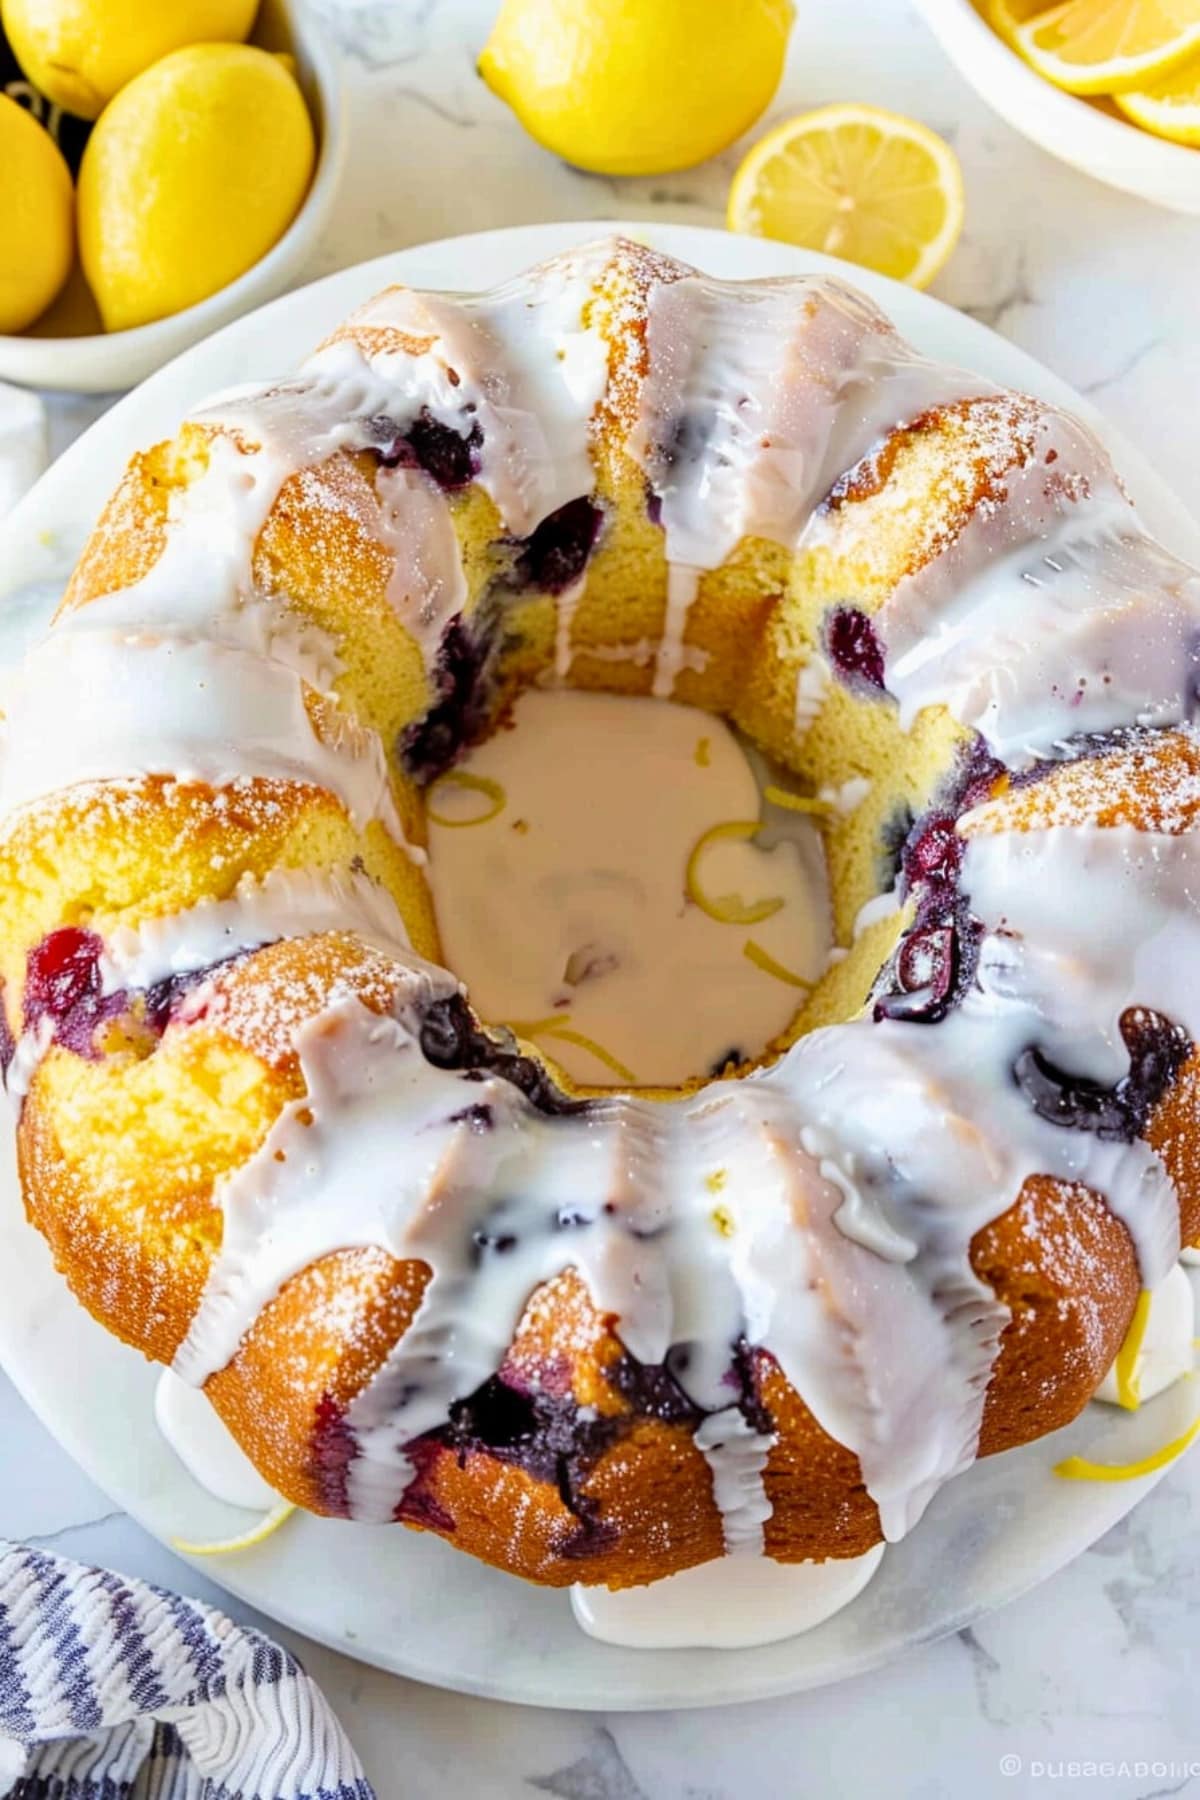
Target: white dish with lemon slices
pixel 407 1602
pixel 1091 134
pixel 65 349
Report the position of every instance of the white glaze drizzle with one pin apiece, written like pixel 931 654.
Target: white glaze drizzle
pixel 737 1456
pixel 388 1150
pixel 845 797
pixel 279 1207
pixel 566 606
pixel 630 1181
pixel 427 586
pixel 341 403
pixel 644 651
pixel 201 586
pixel 531 376
pixel 683 584
pixel 518 361
pixel 759 395
pixel 286 903
pixel 778 386
pixel 812 685
pixel 1051 614
pixel 31 1049
pixel 190 711
pixel 1079 967
pixel 880 906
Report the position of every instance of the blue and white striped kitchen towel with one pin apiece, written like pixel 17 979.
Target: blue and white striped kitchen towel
pixel 114 1690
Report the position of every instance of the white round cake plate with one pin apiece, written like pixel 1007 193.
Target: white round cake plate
pixel 402 1600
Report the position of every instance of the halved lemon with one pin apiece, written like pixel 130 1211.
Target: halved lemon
pixel 1110 46
pixel 857 182
pixel 1171 107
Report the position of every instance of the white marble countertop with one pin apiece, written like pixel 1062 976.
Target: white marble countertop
pixel 1090 1681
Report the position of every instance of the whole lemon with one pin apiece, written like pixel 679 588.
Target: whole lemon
pixel 81 52
pixel 627 87
pixel 191 174
pixel 37 223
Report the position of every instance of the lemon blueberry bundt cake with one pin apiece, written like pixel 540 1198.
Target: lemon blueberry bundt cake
pixel 606 1333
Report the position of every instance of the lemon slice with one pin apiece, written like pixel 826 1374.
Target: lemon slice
pixel 1007 16
pixel 1110 46
pixel 266 1527
pixel 727 909
pixel 1171 108
pixel 856 182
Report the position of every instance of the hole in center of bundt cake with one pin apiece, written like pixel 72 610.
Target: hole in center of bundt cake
pixel 610 883
pixel 647 892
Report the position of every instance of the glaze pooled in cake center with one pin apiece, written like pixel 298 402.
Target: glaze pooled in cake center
pixel 559 860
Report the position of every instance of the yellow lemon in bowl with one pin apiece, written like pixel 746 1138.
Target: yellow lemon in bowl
pixel 637 87
pixel 37 229
pixel 81 52
pixel 192 173
pixel 1170 108
pixel 1110 46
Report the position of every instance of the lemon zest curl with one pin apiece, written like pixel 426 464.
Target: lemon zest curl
pixel 266 1527
pixel 762 959
pixel 477 784
pixel 727 909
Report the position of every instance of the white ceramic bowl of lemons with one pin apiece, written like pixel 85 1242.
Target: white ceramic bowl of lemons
pixel 1090 136
pixel 66 348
